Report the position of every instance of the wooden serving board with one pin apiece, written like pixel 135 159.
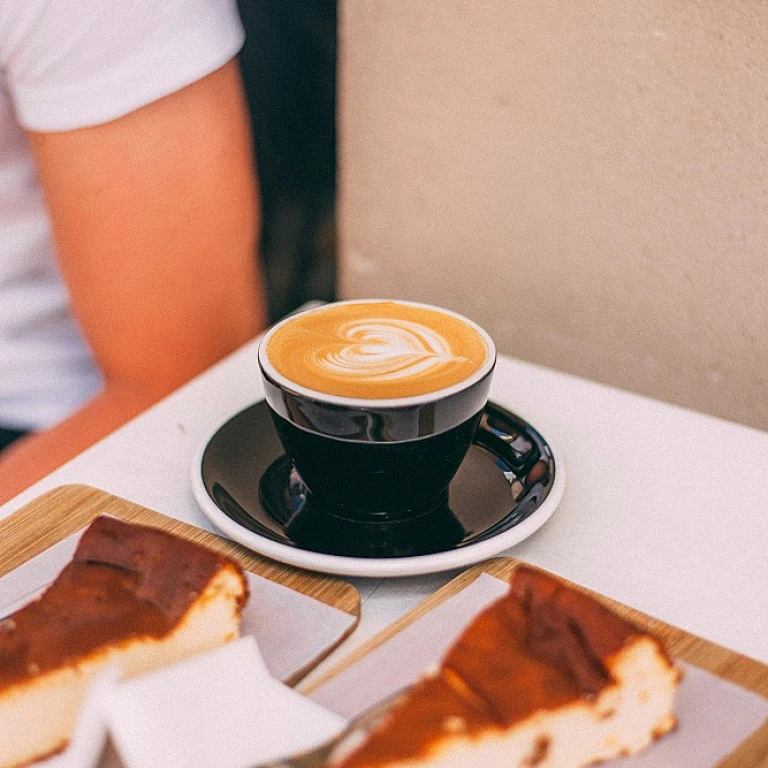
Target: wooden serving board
pixel 54 516
pixel 720 661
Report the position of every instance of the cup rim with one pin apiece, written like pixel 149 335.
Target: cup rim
pixel 284 383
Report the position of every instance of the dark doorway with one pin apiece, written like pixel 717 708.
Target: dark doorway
pixel 289 68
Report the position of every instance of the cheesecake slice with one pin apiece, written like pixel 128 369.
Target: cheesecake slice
pixel 546 677
pixel 132 595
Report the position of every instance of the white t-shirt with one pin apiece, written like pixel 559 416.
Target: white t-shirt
pixel 69 64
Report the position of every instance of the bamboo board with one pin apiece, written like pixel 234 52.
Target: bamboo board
pixel 727 664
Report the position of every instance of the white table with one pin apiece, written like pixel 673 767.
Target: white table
pixel 665 509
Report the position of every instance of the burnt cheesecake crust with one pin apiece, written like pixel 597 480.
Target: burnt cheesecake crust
pixel 546 676
pixel 133 595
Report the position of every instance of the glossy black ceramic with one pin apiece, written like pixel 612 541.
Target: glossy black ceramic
pixel 376 481
pixel 378 422
pixel 505 476
pixel 377 461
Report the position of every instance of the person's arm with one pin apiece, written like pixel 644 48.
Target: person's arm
pixel 155 222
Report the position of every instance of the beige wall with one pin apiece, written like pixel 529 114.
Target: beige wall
pixel 587 179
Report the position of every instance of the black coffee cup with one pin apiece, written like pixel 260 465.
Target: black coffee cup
pixel 374 460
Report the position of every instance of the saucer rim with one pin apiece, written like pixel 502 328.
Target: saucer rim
pixel 385 567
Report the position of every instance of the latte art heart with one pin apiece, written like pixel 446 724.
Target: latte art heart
pixel 387 350
pixel 377 350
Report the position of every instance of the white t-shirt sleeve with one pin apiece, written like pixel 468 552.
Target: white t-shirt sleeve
pixel 74 63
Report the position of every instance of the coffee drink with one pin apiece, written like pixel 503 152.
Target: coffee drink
pixel 377 350
pixel 376 404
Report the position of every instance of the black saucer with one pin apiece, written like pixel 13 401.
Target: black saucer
pixel 507 475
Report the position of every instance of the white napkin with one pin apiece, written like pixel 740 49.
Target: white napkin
pixel 221 709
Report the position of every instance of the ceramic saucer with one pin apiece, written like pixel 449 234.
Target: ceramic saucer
pixel 508 486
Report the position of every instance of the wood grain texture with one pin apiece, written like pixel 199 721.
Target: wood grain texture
pixel 68 509
pixel 727 664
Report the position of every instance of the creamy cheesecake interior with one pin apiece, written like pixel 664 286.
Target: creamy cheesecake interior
pixel 132 595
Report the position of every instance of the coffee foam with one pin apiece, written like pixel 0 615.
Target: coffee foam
pixel 377 350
